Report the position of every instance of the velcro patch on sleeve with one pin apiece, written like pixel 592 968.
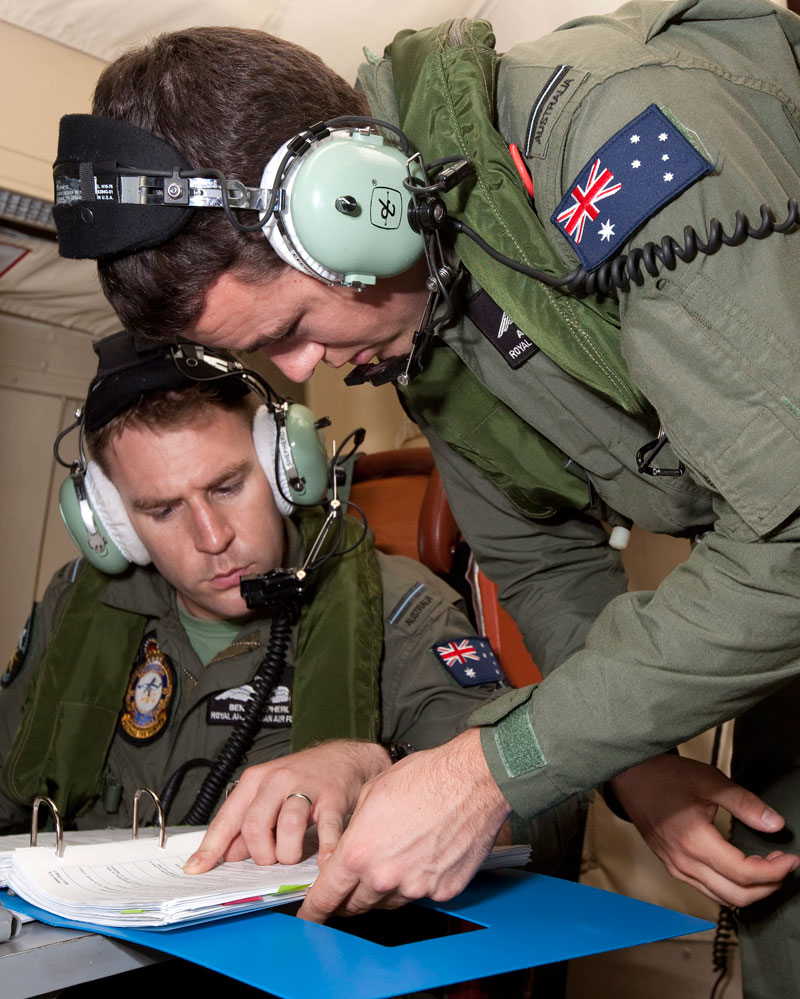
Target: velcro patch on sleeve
pixel 517 743
pixel 644 165
pixel 470 661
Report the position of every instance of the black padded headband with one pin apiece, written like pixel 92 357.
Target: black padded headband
pixel 94 154
pixel 130 367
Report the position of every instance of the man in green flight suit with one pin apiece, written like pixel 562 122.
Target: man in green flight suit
pixel 667 396
pixel 141 679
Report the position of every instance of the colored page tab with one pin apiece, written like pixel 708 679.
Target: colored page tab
pixel 643 166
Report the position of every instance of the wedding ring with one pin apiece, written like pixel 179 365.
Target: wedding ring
pixel 305 797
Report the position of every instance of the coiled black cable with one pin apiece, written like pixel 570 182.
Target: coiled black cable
pixel 724 938
pixel 241 738
pixel 619 272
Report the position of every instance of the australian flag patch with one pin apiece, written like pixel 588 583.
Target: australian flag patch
pixel 641 168
pixel 470 660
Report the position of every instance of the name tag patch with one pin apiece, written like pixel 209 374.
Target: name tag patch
pixel 470 660
pixel 227 706
pixel 514 346
pixel 644 165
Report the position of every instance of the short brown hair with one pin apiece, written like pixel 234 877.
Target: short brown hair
pixel 167 409
pixel 225 98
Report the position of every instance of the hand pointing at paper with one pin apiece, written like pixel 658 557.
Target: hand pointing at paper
pixel 388 857
pixel 267 814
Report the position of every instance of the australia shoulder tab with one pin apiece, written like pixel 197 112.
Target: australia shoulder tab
pixel 548 105
pixel 413 608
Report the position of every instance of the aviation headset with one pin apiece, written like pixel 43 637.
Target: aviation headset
pixel 285 435
pixel 337 210
pixel 337 202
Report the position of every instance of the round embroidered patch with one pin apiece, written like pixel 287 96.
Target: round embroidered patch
pixel 147 699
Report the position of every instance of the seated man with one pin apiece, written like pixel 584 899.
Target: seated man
pixel 141 680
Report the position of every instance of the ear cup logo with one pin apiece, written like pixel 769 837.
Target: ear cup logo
pixel 386 208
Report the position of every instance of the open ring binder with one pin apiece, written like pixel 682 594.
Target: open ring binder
pixel 41 800
pixel 162 829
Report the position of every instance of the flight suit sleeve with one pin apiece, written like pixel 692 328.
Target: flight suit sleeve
pixel 421 701
pixel 22 665
pixel 713 344
pixel 553 577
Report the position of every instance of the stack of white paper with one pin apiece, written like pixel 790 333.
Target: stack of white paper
pixel 76 837
pixel 107 878
pixel 134 883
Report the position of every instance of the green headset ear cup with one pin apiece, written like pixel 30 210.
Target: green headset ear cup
pixel 346 210
pixel 308 456
pixel 104 554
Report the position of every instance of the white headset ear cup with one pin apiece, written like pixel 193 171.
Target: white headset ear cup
pixel 265 441
pixel 108 504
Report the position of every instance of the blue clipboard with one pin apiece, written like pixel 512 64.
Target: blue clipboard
pixel 523 920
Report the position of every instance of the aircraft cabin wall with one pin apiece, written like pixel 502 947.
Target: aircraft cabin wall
pixel 51 310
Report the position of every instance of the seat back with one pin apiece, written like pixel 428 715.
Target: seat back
pixel 402 495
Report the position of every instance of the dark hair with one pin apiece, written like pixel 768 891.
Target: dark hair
pixel 225 98
pixel 168 409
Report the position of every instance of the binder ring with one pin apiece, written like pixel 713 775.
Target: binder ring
pixel 41 800
pixel 162 831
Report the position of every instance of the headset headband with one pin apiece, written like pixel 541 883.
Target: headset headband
pixel 129 368
pixel 98 209
pixel 113 182
pixel 119 189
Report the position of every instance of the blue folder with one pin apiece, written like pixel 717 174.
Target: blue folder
pixel 523 920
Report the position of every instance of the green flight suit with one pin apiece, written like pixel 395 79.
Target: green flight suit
pixel 713 346
pixel 421 703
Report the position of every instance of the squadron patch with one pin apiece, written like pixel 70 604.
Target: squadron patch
pixel 470 661
pixel 148 698
pixel 227 706
pixel 17 660
pixel 643 166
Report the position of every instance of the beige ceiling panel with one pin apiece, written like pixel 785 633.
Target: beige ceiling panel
pixel 40 80
pixel 63 293
pixel 104 29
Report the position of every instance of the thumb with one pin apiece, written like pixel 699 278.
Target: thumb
pixel 201 862
pixel 329 832
pixel 749 808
